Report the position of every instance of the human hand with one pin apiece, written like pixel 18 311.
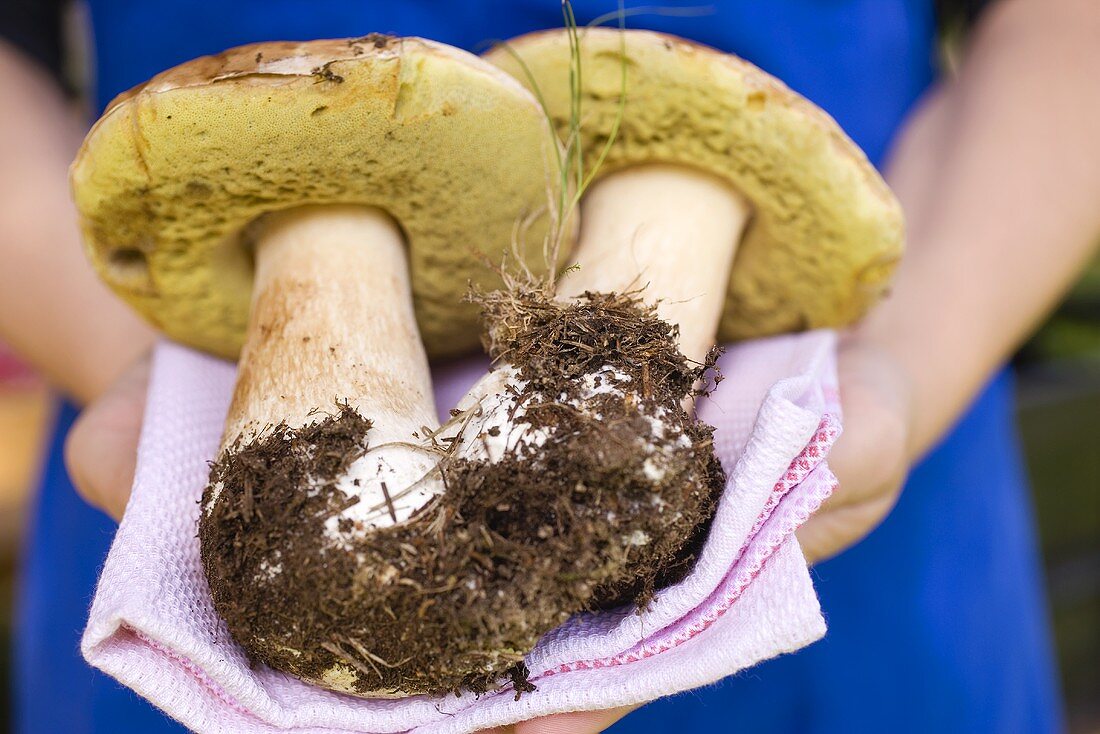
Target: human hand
pixel 101 448
pixel 871 458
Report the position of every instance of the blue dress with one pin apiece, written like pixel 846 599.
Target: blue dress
pixel 937 620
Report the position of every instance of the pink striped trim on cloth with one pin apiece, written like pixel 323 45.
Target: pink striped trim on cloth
pixel 197 673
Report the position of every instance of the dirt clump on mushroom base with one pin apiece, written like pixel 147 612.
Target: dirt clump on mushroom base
pixel 604 497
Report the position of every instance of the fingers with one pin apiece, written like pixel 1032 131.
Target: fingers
pixel 871 457
pixel 828 533
pixel 576 722
pixel 101 448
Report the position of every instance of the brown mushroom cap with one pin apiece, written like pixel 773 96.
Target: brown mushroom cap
pixel 826 232
pixel 169 178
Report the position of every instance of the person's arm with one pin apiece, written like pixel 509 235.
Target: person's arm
pixel 999 174
pixel 1008 211
pixel 53 310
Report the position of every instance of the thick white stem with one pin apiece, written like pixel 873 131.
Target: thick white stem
pixel 332 319
pixel 669 228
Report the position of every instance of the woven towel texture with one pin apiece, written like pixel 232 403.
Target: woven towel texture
pixel 749 598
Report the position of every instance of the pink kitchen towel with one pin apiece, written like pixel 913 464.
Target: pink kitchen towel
pixel 749 597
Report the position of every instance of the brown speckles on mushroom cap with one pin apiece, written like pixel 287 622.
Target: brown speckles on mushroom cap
pixel 169 178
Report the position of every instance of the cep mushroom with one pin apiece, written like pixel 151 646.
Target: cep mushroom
pixel 732 208
pixel 308 205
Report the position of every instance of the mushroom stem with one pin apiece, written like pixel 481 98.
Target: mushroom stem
pixel 332 320
pixel 673 230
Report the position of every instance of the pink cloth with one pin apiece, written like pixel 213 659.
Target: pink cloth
pixel 749 597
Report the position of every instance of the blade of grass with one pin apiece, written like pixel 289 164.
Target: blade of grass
pixel 622 101
pixel 690 11
pixel 575 89
pixel 568 145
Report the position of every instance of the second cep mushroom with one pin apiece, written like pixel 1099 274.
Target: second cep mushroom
pixel 733 208
pixel 728 204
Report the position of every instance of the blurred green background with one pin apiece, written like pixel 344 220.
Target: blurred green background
pixel 1059 417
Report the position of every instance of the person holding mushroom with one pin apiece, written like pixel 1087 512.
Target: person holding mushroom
pixel 898 402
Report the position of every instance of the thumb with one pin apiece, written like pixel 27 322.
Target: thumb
pixel 577 722
pixel 101 448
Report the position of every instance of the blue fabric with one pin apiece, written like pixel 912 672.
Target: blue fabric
pixel 937 620
pixel 56 692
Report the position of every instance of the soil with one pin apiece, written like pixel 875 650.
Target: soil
pixel 453 598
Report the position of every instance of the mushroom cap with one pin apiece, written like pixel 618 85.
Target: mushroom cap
pixel 826 232
pixel 169 178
